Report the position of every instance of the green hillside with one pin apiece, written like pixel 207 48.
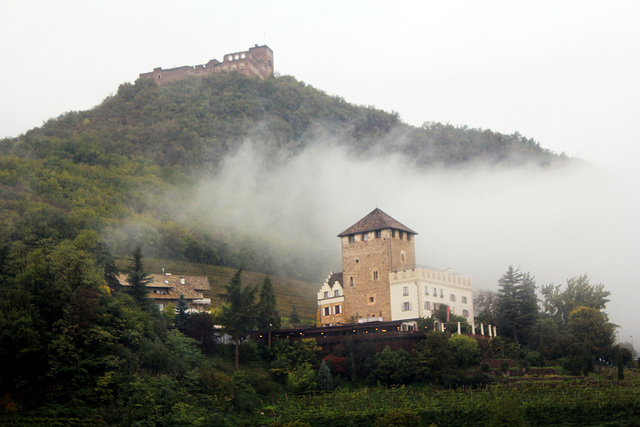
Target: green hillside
pixel 120 167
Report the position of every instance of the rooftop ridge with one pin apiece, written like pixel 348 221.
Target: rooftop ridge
pixel 376 220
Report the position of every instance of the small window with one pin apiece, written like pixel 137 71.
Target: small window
pixel 375 274
pixel 464 300
pixel 435 292
pixel 242 55
pixel 365 237
pixel 408 237
pixel 327 311
pixel 402 256
pixel 337 309
pixel 441 294
pixel 452 297
pixel 352 238
pixel 336 293
pixel 371 300
pixel 465 313
pixel 326 294
pixel 427 305
pixel 237 57
pixel 351 281
pixel 378 234
pixel 406 306
pixel 405 291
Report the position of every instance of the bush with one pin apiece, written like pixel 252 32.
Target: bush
pixel 302 379
pixel 485 368
pixel 392 367
pixel 465 350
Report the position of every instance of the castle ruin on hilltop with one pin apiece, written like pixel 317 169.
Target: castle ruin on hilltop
pixel 256 62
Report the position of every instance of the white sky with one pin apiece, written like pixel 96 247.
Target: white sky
pixel 565 73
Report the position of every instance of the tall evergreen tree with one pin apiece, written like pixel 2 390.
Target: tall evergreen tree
pixel 268 316
pixel 138 279
pixel 238 314
pixel 105 260
pixel 517 305
pixel 182 317
pixel 294 318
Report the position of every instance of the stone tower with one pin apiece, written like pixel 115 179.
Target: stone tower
pixel 372 248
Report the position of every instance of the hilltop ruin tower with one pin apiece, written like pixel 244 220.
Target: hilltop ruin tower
pixel 255 62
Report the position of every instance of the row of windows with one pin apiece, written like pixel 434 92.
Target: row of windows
pixel 452 297
pixel 336 293
pixel 236 56
pixel 327 311
pixel 378 235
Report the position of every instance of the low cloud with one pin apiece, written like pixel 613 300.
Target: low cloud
pixel 556 222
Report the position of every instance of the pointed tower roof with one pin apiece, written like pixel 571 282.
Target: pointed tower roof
pixel 376 220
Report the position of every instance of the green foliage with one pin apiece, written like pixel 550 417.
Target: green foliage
pixel 579 292
pixel 181 320
pixel 324 377
pixel 591 328
pixel 465 350
pixel 431 357
pixel 268 317
pixel 392 367
pixel 138 279
pixel 301 379
pixel 294 317
pixel 238 314
pixel 517 305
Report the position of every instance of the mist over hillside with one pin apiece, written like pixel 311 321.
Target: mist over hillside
pixel 235 172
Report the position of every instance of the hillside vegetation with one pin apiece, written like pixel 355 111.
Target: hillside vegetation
pixel 116 168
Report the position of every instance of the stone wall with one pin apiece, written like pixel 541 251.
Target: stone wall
pixel 256 62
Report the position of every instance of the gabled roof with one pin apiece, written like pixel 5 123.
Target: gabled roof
pixel 376 220
pixel 191 289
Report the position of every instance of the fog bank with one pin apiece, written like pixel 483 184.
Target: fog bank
pixel 556 222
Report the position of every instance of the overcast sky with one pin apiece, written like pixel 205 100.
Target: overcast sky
pixel 563 73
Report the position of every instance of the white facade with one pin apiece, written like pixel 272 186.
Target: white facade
pixel 331 302
pixel 418 293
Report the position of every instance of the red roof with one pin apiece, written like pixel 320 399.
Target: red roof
pixel 376 220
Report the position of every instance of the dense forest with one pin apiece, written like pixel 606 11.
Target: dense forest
pixel 85 197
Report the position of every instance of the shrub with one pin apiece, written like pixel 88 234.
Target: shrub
pixel 392 367
pixel 465 350
pixel 302 379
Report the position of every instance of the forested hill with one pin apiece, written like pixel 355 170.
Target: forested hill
pixel 111 168
pixel 197 121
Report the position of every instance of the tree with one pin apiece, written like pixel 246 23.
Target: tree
pixel 105 260
pixel 484 306
pixel 182 317
pixel 294 318
pixel 138 279
pixel 465 350
pixel 517 305
pixel 238 314
pixel 592 328
pixel 268 317
pixel 578 293
pixel 324 378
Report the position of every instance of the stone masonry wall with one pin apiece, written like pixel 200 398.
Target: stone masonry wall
pixel 366 265
pixel 256 62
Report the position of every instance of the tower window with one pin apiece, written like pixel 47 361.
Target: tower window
pixel 371 300
pixel 365 237
pixel 351 280
pixel 352 239
pixel 375 274
pixel 378 234
pixel 403 257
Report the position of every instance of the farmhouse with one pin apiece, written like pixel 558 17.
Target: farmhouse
pixel 166 289
pixel 380 280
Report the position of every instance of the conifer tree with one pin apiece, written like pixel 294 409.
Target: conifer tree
pixel 324 377
pixel 138 279
pixel 517 305
pixel 294 318
pixel 182 317
pixel 238 314
pixel 268 316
